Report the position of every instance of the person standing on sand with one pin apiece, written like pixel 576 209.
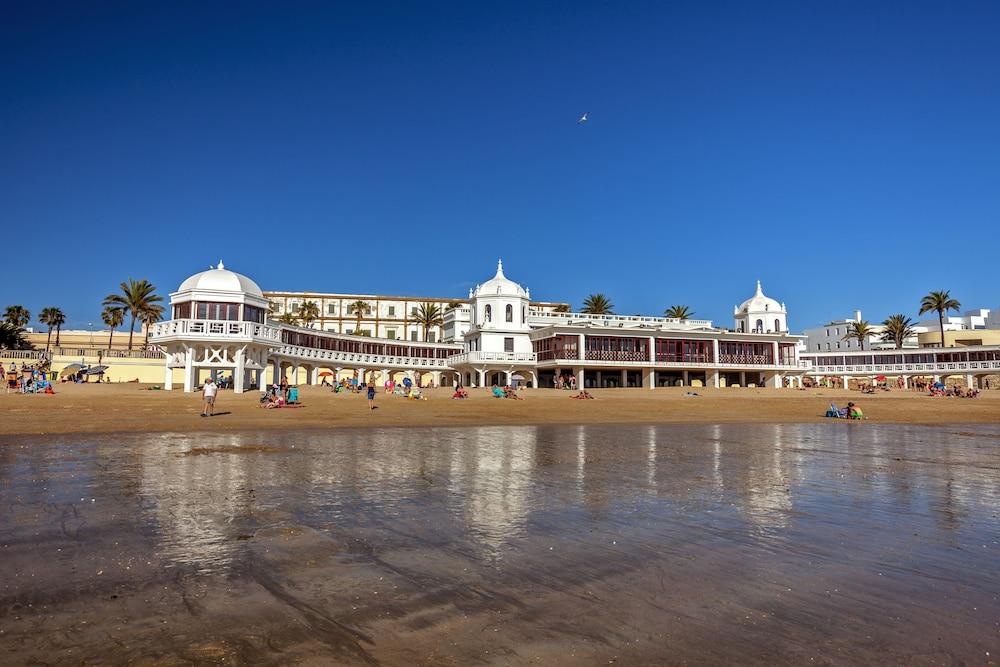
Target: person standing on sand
pixel 208 392
pixel 371 395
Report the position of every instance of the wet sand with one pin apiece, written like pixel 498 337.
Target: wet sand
pixel 828 543
pixel 128 407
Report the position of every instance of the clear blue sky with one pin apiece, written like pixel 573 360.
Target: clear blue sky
pixel 847 154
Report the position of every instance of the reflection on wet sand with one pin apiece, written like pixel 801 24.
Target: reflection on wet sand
pixel 751 544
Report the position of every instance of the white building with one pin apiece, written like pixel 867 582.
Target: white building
pixel 830 337
pixel 220 323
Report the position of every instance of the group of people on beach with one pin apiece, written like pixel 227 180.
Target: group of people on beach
pixel 566 381
pixel 27 380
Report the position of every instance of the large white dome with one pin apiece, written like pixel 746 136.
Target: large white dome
pixel 221 279
pixel 759 303
pixel 499 285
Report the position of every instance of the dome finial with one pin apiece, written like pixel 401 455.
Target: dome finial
pixel 760 292
pixel 500 269
pixel 221 266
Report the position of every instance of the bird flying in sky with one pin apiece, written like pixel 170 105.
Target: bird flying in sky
pixel 583 118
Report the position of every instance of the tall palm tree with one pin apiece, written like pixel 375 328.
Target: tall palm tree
pixel 149 316
pixel 859 331
pixel 114 318
pixel 598 304
pixel 12 337
pixel 308 312
pixel 428 315
pixel 135 299
pixel 897 328
pixel 939 302
pixel 19 316
pixel 359 308
pixel 46 317
pixel 678 312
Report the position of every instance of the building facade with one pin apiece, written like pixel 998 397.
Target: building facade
pixel 220 323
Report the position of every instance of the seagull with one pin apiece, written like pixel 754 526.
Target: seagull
pixel 583 118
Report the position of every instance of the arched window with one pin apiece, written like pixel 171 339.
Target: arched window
pixel 510 313
pixel 488 313
pixel 760 326
pixel 524 315
pixel 777 325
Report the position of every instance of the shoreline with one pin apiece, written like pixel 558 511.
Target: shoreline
pixel 128 408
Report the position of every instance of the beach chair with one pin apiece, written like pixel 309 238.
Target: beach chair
pixel 293 395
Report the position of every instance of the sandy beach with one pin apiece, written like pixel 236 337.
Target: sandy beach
pixel 130 407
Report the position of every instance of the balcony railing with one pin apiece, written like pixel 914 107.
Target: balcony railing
pixel 536 316
pixel 214 329
pixel 940 367
pixel 479 356
pixel 615 355
pixel 332 358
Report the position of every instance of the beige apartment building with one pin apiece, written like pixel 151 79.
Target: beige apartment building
pixel 392 317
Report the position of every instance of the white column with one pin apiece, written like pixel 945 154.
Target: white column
pixel 686 378
pixel 294 380
pixel 168 376
pixel 776 382
pixel 508 377
pixel 582 352
pixel 715 353
pixel 652 349
pixel 970 381
pixel 906 382
pixel 743 379
pixel 648 378
pixel 774 351
pixel 712 377
pixel 239 373
pixel 624 377
pixel 578 372
pixel 189 370
pixel 314 375
pixel 480 377
pixel 846 381
pixel 435 378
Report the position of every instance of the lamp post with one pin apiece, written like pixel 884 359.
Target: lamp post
pixel 90 327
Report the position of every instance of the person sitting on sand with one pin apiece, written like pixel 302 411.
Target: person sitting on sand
pixel 583 395
pixel 497 392
pixel 854 412
pixel 460 392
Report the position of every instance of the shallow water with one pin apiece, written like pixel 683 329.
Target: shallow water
pixel 789 544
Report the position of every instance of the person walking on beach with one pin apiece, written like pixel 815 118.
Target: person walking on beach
pixel 371 395
pixel 208 392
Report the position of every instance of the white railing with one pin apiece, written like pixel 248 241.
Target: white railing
pixel 334 357
pixel 940 367
pixel 479 356
pixel 691 364
pixel 214 329
pixel 22 354
pixel 536 316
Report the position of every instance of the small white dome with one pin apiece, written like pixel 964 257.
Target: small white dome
pixel 499 285
pixel 221 279
pixel 759 303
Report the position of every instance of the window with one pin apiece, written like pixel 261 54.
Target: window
pixel 413 311
pixel 275 307
pixel 295 308
pixel 777 325
pixel 827 347
pixel 524 316
pixel 508 343
pixel 331 309
pixel 182 311
pixel 431 335
pixel 510 313
pixel 760 326
pixel 390 334
pixel 413 335
pixel 391 310
pixel 218 311
pixel 488 314
pixel 838 345
pixel 253 314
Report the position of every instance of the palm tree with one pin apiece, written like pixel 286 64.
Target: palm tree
pixel 428 315
pixel 359 308
pixel 452 305
pixel 678 312
pixel 47 317
pixel 114 318
pixel 17 315
pixel 561 308
pixel 859 331
pixel 149 316
pixel 12 337
pixel 135 299
pixel 308 312
pixel 897 329
pixel 288 318
pixel 939 302
pixel 598 304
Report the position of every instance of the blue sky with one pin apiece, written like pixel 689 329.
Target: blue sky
pixel 846 154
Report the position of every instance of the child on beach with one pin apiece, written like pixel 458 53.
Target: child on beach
pixel 371 395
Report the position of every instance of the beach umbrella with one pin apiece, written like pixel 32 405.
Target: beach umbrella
pixel 325 374
pixel 95 370
pixel 72 369
pixel 880 378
